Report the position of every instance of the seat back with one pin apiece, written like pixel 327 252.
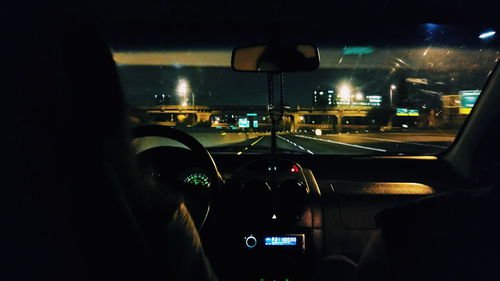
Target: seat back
pixel 68 200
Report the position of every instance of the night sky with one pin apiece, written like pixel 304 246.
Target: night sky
pixel 223 86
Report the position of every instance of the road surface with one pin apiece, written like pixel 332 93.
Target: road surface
pixel 339 144
pixel 347 144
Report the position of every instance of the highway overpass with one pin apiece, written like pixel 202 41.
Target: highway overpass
pixel 294 119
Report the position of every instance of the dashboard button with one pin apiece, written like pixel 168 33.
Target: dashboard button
pixel 251 241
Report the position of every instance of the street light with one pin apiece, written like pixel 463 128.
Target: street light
pixel 392 88
pixel 182 89
pixel 345 93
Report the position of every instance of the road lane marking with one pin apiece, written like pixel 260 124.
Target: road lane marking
pixel 246 148
pixel 343 143
pixel 397 141
pixel 291 142
pixel 256 141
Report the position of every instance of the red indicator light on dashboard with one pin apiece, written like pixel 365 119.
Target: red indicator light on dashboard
pixel 294 169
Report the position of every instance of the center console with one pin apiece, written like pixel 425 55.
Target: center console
pixel 265 227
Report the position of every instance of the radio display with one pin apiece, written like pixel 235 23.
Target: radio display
pixel 280 241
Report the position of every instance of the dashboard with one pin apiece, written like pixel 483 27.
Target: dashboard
pixel 261 217
pixel 273 218
pixel 338 217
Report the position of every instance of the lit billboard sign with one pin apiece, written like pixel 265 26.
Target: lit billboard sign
pixel 243 123
pixel 467 100
pixel 371 100
pixel 374 100
pixel 413 112
pixel 402 111
pixel 407 112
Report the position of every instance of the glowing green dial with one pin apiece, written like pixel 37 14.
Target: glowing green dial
pixel 197 179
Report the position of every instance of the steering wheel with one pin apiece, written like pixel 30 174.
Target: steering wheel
pixel 194 195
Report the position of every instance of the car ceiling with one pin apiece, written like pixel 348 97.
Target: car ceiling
pixel 344 12
pixel 347 12
pixel 146 19
pixel 204 19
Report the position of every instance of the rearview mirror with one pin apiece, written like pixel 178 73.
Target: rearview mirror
pixel 275 58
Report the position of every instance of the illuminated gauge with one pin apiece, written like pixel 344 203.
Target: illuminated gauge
pixel 197 178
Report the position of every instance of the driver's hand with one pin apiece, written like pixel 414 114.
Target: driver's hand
pixel 184 250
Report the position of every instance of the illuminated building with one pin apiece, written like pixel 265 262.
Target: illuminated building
pixel 324 98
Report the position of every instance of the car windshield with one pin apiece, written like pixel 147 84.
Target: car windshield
pixel 383 96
